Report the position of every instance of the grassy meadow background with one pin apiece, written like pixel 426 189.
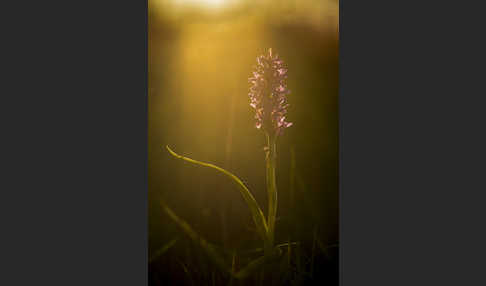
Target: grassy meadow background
pixel 201 54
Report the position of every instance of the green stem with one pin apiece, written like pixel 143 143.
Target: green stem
pixel 271 187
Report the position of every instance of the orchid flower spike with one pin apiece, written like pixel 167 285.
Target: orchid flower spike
pixel 268 93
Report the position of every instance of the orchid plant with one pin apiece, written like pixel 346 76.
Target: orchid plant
pixel 268 96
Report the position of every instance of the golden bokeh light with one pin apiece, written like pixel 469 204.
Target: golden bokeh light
pixel 203 4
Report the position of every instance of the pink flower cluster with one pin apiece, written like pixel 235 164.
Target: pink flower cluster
pixel 268 94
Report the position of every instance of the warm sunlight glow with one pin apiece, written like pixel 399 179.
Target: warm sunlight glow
pixel 212 2
pixel 204 3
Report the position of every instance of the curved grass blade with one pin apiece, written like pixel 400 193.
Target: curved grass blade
pixel 255 210
pixel 210 250
pixel 282 245
pixel 257 264
pixel 162 250
pixel 213 254
pixel 325 249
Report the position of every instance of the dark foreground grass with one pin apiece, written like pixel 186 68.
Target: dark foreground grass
pixel 309 258
pixel 300 266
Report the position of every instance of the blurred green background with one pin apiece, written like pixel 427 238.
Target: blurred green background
pixel 201 54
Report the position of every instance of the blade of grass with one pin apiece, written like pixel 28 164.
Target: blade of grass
pixel 217 259
pixel 213 254
pixel 313 251
pixel 257 213
pixel 298 257
pixel 162 250
pixel 324 248
pixel 233 261
pixel 286 244
pixel 289 254
pixel 284 269
pixel 256 264
pixel 186 271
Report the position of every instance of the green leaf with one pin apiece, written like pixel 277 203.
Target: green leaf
pixel 255 210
